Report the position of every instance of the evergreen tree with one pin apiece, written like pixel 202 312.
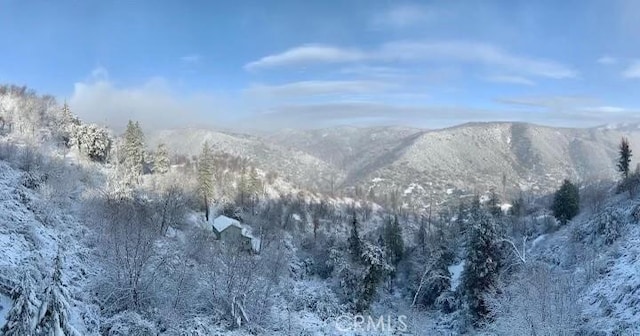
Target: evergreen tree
pixel 436 279
pixel 255 184
pixel 355 243
pixel 494 204
pixel 21 318
pixel 460 216
pixel 624 160
pixel 517 209
pixel 67 126
pixel 421 236
pixel 53 315
pixel 134 152
pixel 481 264
pixel 205 176
pixel 372 258
pixel 566 202
pixel 161 161
pixel 475 209
pixel 393 242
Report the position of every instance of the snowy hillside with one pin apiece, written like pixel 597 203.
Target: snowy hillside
pixel 32 232
pixel 297 166
pixel 469 157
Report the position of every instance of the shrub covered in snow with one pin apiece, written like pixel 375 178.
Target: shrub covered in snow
pixel 317 298
pixel 603 228
pixel 538 301
pixel 128 324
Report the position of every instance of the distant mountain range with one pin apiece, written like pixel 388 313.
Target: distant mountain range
pixel 465 158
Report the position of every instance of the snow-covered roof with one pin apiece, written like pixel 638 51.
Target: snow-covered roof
pixel 221 223
pixel 255 242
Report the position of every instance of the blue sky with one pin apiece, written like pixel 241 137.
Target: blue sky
pixel 270 64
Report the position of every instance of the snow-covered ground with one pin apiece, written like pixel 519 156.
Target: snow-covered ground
pixel 456 272
pixel 5 305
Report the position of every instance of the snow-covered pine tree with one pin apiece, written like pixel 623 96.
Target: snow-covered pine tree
pixel 566 202
pixel 494 204
pixel 393 242
pixel 624 159
pixel 161 160
pixel 205 176
pixel 376 269
pixel 67 125
pixel 482 260
pixel 255 184
pixel 433 279
pixel 421 235
pixel 354 241
pixel 134 152
pixel 21 318
pixel 53 315
pixel 460 217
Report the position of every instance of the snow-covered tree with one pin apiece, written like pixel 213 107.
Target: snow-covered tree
pixel 481 265
pixel 624 159
pixel 161 160
pixel 133 152
pixel 21 318
pixel 53 315
pixel 566 202
pixel 67 126
pixel 431 277
pixel 373 259
pixel 421 236
pixel 393 242
pixel 540 300
pixel 205 176
pixel 93 141
pixel 355 243
pixel 494 204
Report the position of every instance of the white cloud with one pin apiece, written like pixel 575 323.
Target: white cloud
pixel 607 60
pixel 375 71
pixel 307 54
pixel 417 51
pixel 511 80
pixel 191 59
pixel 575 109
pixel 404 16
pixel 153 103
pixel 553 102
pixel 315 88
pixel 471 52
pixel 606 109
pixel 365 114
pixel 633 70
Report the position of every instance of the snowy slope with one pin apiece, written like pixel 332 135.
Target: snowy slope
pixel 468 156
pixel 5 306
pixel 31 234
pixel 296 166
pixel 614 299
pixel 602 252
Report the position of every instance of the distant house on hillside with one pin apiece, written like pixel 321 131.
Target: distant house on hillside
pixel 229 229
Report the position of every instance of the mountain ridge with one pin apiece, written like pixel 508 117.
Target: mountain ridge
pixel 480 154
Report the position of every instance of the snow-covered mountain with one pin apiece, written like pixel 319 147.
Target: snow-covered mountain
pixel 296 165
pixel 470 157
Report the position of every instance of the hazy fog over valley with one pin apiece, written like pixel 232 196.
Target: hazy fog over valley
pixel 319 168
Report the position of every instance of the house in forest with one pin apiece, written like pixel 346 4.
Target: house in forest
pixel 229 229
